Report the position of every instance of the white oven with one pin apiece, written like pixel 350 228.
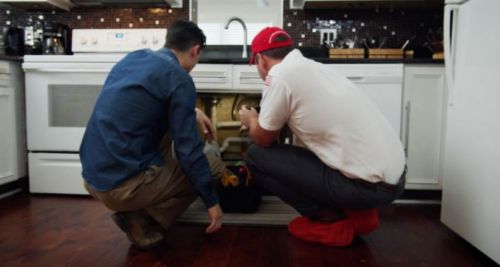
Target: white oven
pixel 60 95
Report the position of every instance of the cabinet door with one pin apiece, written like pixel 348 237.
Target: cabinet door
pixel 424 94
pixel 7 131
pixel 212 77
pixel 382 83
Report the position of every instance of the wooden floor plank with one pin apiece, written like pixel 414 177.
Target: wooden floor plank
pixel 247 252
pixel 48 230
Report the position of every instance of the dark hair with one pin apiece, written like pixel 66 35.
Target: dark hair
pixel 182 35
pixel 277 53
pixel 280 52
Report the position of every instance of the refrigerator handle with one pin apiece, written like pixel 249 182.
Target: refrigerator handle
pixel 407 128
pixel 450 21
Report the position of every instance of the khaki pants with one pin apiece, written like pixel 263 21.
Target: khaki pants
pixel 163 192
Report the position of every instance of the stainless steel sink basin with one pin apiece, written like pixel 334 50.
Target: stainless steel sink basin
pixel 223 52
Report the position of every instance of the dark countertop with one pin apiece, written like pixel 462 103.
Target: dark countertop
pixel 243 61
pixel 231 54
pixel 336 61
pixel 380 61
pixel 11 58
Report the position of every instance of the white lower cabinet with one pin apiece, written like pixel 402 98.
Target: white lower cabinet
pixel 226 78
pixel 12 123
pixel 382 83
pixel 422 117
pixel 423 124
pixel 7 135
pixel 56 173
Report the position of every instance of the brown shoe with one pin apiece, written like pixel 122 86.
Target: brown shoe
pixel 141 230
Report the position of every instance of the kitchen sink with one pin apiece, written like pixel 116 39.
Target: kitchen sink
pixel 228 53
pixel 233 53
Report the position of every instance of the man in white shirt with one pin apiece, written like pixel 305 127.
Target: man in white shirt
pixel 350 159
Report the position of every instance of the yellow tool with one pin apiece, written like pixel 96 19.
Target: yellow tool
pixel 229 178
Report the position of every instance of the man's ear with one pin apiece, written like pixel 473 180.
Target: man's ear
pixel 263 60
pixel 195 50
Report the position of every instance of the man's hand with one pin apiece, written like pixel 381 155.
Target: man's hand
pixel 247 117
pixel 215 216
pixel 250 121
pixel 206 125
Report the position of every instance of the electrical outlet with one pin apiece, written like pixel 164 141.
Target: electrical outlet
pixel 328 36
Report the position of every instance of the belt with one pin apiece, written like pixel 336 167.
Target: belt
pixel 383 185
pixel 392 187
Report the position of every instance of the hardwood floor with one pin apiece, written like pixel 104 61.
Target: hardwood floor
pixel 39 230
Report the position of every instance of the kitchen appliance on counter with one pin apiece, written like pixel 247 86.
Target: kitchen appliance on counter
pixel 471 172
pixel 60 94
pixel 11 41
pixel 56 39
pixel 33 39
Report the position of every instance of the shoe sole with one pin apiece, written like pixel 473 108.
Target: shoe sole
pixel 123 226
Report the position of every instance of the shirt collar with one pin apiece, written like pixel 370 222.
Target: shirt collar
pixel 169 53
pixel 294 54
pixel 291 56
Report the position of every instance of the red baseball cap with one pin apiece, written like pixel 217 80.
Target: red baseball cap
pixel 266 40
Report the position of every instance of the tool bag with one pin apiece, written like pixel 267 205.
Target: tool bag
pixel 237 190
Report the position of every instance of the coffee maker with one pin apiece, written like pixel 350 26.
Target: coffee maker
pixel 11 41
pixel 56 39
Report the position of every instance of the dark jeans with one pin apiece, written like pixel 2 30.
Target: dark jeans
pixel 303 181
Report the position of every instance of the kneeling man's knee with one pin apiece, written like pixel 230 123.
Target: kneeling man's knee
pixel 252 154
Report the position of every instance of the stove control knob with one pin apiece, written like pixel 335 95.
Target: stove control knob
pixel 83 41
pixel 144 40
pixel 155 40
pixel 94 41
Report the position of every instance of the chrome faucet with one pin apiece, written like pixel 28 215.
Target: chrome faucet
pixel 245 33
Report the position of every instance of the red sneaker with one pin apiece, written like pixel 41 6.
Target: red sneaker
pixel 337 234
pixel 364 221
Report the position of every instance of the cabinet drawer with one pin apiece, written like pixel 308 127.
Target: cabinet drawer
pixel 55 173
pixel 4 67
pixel 4 80
pixel 212 76
pixel 246 78
pixel 4 74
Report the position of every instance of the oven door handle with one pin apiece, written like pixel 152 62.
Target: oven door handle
pixel 54 70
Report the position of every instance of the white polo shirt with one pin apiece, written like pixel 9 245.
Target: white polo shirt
pixel 332 118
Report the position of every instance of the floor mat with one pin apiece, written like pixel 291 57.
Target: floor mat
pixel 272 212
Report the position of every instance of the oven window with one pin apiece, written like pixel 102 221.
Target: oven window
pixel 71 105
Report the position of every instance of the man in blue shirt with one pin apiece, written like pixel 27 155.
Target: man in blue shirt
pixel 141 153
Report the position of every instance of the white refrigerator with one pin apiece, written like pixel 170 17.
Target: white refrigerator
pixel 471 170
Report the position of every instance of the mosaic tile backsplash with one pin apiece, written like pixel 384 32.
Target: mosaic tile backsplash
pixel 98 18
pixel 380 27
pixel 368 27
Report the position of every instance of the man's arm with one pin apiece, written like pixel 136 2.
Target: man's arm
pixel 206 125
pixel 214 212
pixel 260 136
